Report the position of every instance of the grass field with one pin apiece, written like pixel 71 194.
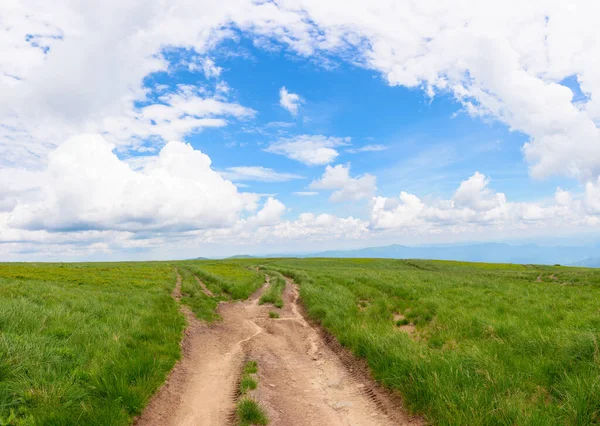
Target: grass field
pixel 492 344
pixel 465 344
pixel 84 343
pixel 89 344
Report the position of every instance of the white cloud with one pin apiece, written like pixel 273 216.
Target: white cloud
pixel 474 193
pixel 73 67
pixel 289 101
pixel 210 69
pixel 309 149
pixel 497 62
pixel 367 148
pixel 306 193
pixel 592 196
pixel 315 227
pixel 86 187
pixel 476 206
pixel 345 187
pixel 257 173
pixel 270 214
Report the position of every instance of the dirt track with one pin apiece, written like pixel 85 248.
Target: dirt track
pixel 304 378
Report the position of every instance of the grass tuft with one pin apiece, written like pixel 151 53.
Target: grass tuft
pixel 247 383
pixel 250 413
pixel 273 314
pixel 251 367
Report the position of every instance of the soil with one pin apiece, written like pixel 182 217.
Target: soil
pixel 305 377
pixel 205 289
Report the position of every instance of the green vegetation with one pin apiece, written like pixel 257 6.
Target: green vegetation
pixel 250 413
pixel 275 290
pixel 251 367
pixel 224 279
pixel 201 305
pixel 464 343
pixel 247 382
pixel 491 344
pixel 84 343
pixel 90 343
pixel 273 314
pixel 248 410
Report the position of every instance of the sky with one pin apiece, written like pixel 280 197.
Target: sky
pixel 134 130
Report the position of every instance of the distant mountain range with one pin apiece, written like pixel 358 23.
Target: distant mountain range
pixel 590 262
pixel 485 252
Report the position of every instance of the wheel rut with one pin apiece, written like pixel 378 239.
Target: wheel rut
pixel 303 379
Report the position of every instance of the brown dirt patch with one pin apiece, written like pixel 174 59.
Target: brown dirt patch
pixel 398 317
pixel 205 289
pixel 176 293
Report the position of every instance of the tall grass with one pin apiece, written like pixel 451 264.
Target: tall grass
pixel 84 343
pixel 225 279
pixel 275 290
pixel 90 343
pixel 192 296
pixel 493 346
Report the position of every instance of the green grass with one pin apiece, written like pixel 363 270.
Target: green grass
pixel 84 343
pixel 247 383
pixel 225 279
pixel 201 305
pixel 275 290
pixel 89 344
pixel 251 367
pixel 273 314
pixel 250 413
pixel 492 345
pixel 248 410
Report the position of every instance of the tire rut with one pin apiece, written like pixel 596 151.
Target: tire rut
pixel 304 378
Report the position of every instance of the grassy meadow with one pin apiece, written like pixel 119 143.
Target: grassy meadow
pixel 487 344
pixel 89 344
pixel 464 343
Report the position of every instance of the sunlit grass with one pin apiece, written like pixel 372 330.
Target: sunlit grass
pixel 84 343
pixel 492 344
pixel 274 292
pixel 250 413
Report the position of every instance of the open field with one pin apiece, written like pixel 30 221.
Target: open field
pixel 491 344
pixel 84 343
pixel 462 343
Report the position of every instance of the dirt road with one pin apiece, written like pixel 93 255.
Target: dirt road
pixel 303 379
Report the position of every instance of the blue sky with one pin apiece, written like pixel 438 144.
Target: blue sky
pixel 278 126
pixel 431 144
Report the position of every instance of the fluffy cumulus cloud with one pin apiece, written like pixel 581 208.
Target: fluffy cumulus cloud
pixel 312 150
pixel 87 187
pixel 73 68
pixel 316 227
pixel 345 187
pixel 270 214
pixel 497 62
pixel 476 206
pixel 289 101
